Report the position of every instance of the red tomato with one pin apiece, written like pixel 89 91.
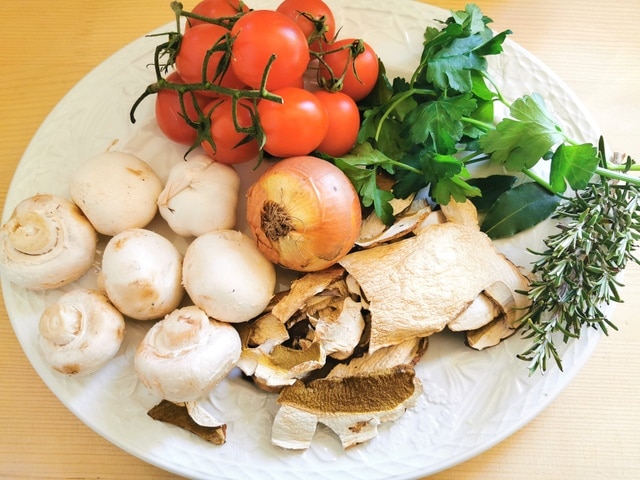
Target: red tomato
pixel 318 34
pixel 216 9
pixel 294 127
pixel 358 75
pixel 344 123
pixel 196 42
pixel 260 34
pixel 230 145
pixel 170 116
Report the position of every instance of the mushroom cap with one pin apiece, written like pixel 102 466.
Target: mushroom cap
pixel 46 243
pixel 81 332
pixel 142 273
pixel 225 274
pixel 200 196
pixel 116 191
pixel 186 354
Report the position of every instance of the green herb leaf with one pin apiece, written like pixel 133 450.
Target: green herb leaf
pixel 438 122
pixel 364 181
pixel 520 142
pixel 532 108
pixel 491 188
pixel 573 165
pixel 518 209
pixel 452 55
pixel 455 187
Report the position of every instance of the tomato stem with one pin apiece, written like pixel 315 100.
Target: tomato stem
pixel 334 83
pixel 226 22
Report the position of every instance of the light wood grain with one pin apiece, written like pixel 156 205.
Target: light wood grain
pixel 589 432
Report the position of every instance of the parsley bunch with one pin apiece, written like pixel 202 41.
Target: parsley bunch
pixel 425 131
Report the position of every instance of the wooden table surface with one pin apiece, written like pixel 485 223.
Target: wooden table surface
pixel 591 431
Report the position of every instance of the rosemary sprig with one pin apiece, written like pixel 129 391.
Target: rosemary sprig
pixel 576 276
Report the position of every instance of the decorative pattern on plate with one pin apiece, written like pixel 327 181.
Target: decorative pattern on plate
pixel 472 400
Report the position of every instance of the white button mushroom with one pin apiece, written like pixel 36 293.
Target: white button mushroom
pixel 186 354
pixel 141 274
pixel 225 274
pixel 81 332
pixel 200 195
pixel 116 191
pixel 46 243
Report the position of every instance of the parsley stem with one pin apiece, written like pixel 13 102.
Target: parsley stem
pixel 484 126
pixel 616 175
pixel 538 179
pixel 497 91
pixel 623 168
pixel 397 101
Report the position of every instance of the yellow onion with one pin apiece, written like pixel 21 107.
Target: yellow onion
pixel 304 213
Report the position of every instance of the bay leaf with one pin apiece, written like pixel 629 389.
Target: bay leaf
pixel 519 209
pixel 491 187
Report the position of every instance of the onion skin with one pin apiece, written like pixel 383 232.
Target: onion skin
pixel 304 213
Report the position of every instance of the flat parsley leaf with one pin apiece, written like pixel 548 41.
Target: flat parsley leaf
pixel 438 122
pixel 361 167
pixel 521 141
pixel 452 66
pixel 573 165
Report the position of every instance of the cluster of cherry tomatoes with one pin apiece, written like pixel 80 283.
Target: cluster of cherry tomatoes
pixel 277 51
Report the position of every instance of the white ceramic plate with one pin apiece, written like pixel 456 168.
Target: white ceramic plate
pixel 472 400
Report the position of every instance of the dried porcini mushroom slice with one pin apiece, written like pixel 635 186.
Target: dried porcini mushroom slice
pixel 339 330
pixel 490 334
pixel 372 226
pixel 265 332
pixel 417 285
pixel 178 415
pixel 352 407
pixel 282 366
pixel 480 312
pixel 304 288
pixel 404 224
pixel 408 352
pixel 463 213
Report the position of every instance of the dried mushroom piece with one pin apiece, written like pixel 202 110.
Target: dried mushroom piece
pixel 416 286
pixel 463 213
pixel 282 365
pixel 178 415
pixel 339 330
pixel 372 226
pixel 408 352
pixel 480 312
pixel 303 289
pixel 353 407
pixel 490 334
pixel 404 224
pixel 316 318
pixel 264 333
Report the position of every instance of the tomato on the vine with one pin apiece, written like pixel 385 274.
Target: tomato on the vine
pixel 321 30
pixel 191 57
pixel 294 127
pixel 170 115
pixel 344 123
pixel 341 70
pixel 260 34
pixel 231 146
pixel 216 9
